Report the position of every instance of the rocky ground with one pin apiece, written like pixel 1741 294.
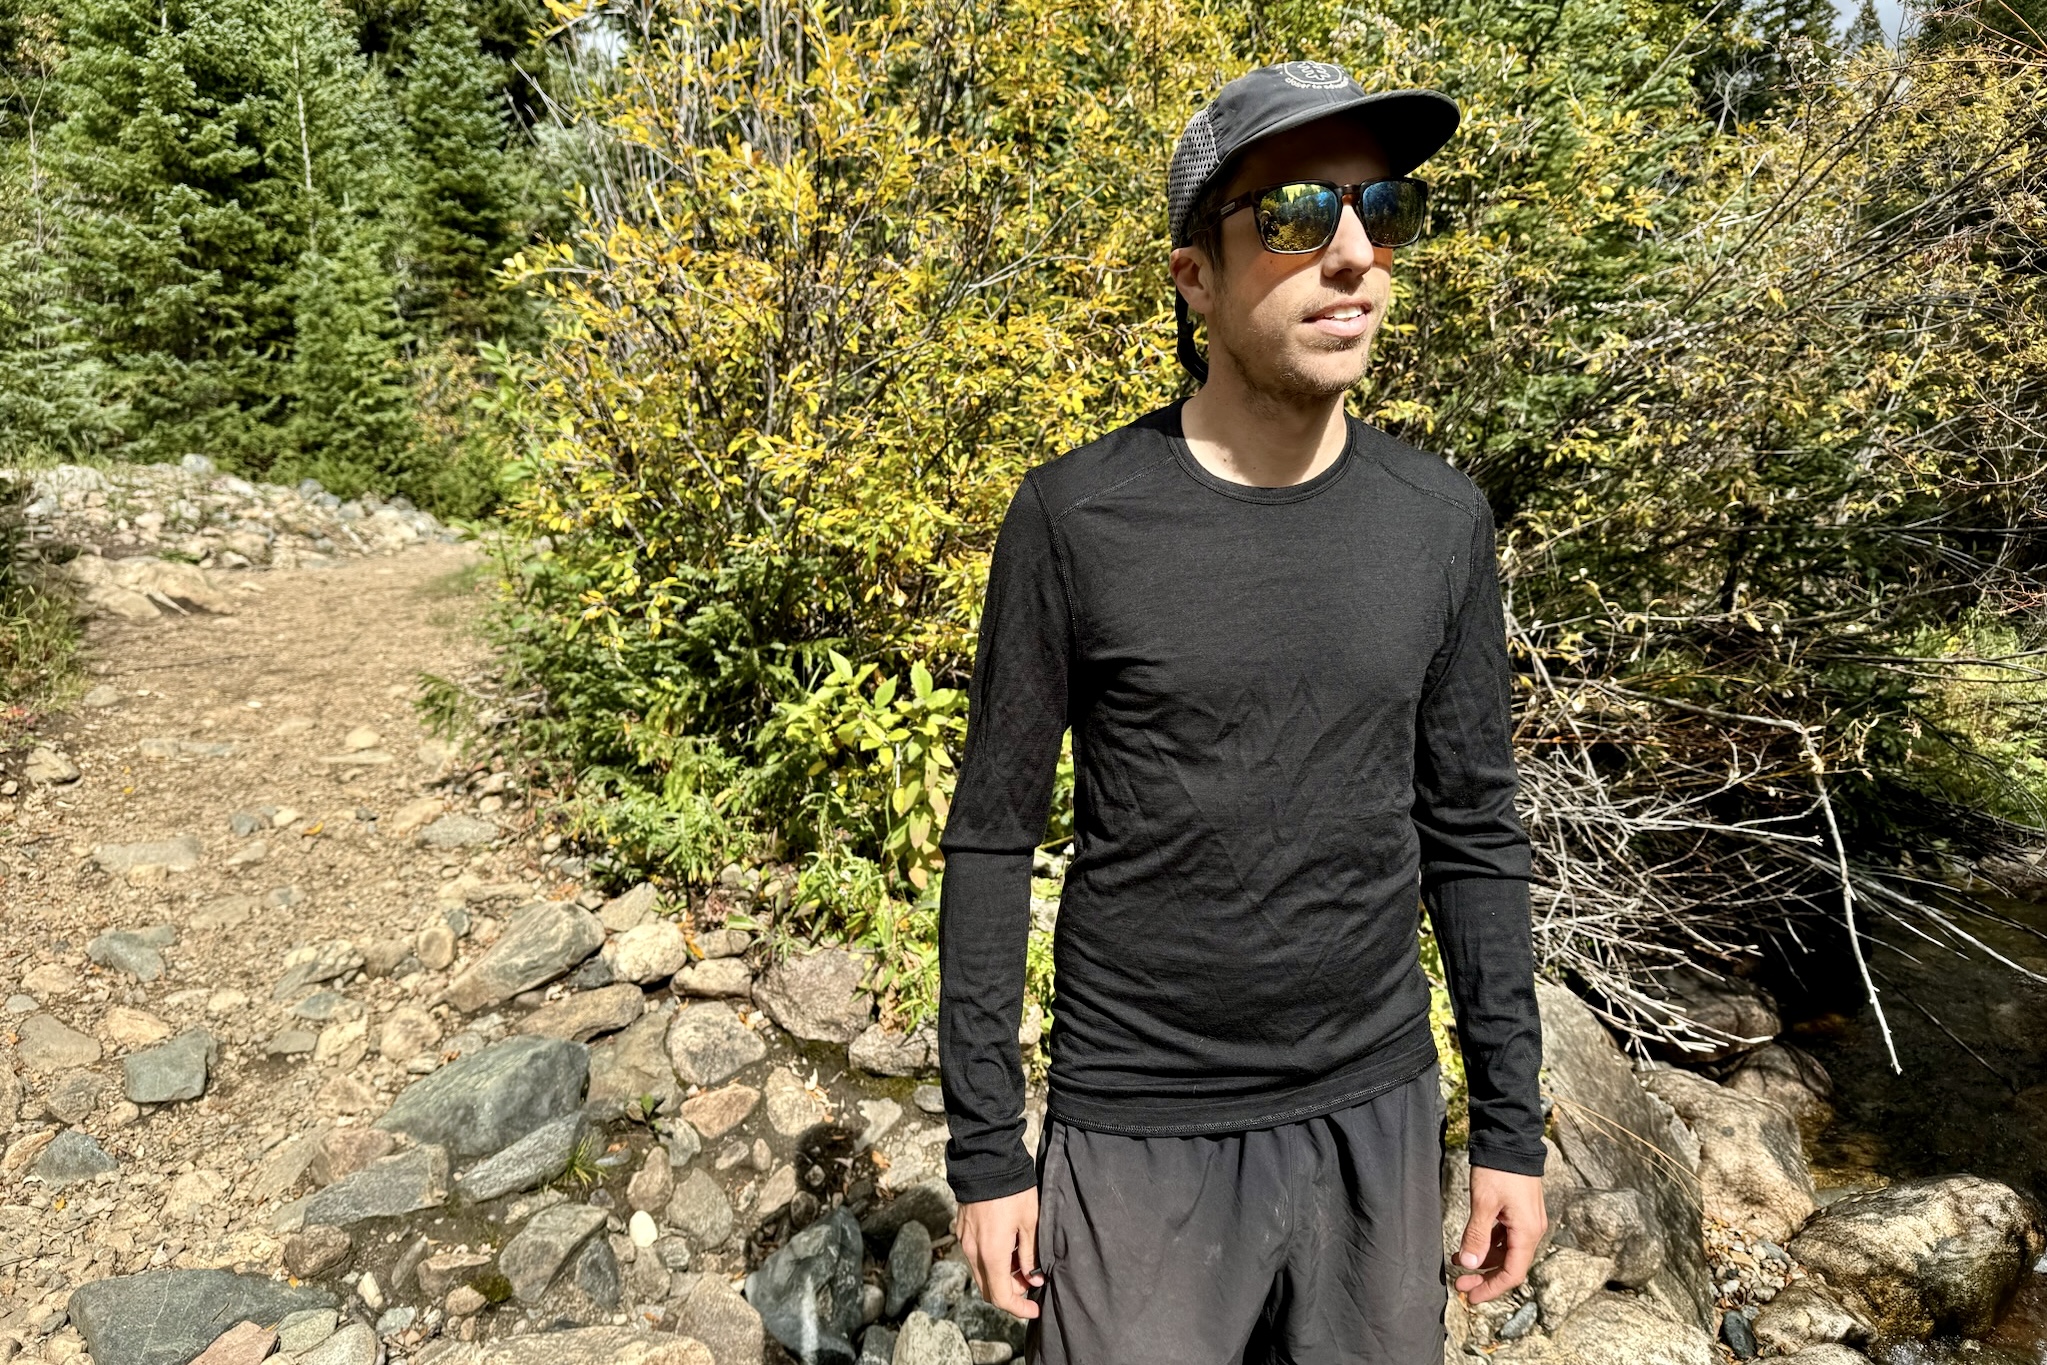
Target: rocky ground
pixel 308 1021
pixel 318 1044
pixel 1687 1226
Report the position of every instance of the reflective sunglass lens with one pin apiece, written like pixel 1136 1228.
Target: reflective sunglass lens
pixel 1394 211
pixel 1298 217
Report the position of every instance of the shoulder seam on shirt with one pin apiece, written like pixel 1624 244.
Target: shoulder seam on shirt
pixel 1465 508
pixel 1059 570
pixel 1135 474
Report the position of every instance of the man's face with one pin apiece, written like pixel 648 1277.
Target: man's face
pixel 1297 328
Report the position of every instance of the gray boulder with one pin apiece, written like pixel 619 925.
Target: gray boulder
pixel 72 1156
pixel 980 1320
pixel 123 950
pixel 1616 1136
pixel 405 1183
pixel 74 1096
pixel 354 1344
pixel 538 944
pixel 725 978
pixel 592 1286
pixel 1926 1256
pixel 313 964
pixel 166 1317
pixel 456 830
pixel 1620 1329
pixel 532 1161
pixel 929 1202
pixel 925 1340
pixel 1752 1171
pixel 532 1259
pixel 1719 1016
pixel 817 996
pixel 808 1291
pixel 1616 1225
pixel 909 1265
pixel 948 1283
pixel 707 1043
pixel 180 854
pixel 1791 1077
pixel 1807 1313
pixel 170 1071
pixel 888 1053
pixel 711 1310
pixel 1564 1279
pixel 630 909
pixel 484 1103
pixel 634 1064
pixel 587 1014
pixel 877 1346
pixel 700 1210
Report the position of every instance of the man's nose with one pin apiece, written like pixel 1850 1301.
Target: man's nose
pixel 1351 248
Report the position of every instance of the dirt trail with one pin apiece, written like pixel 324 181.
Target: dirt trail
pixel 213 716
pixel 249 903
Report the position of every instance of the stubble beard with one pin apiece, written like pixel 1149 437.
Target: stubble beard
pixel 1277 381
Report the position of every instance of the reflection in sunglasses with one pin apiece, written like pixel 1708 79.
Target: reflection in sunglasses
pixel 1302 215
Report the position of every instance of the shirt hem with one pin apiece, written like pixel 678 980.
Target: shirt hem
pixel 1380 1072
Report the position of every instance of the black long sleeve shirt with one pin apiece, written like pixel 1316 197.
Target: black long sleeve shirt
pixel 1290 715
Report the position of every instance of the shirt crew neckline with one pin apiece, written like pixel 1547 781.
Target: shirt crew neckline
pixel 1183 455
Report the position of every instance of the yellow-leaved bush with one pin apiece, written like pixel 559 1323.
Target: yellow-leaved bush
pixel 842 275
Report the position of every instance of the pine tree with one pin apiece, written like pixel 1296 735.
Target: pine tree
pixel 351 422
pixel 179 237
pixel 228 165
pixel 51 401
pixel 1864 30
pixel 1746 51
pixel 462 200
pixel 2022 24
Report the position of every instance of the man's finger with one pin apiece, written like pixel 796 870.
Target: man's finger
pixel 1478 1235
pixel 1005 1287
pixel 1521 1244
pixel 1027 1248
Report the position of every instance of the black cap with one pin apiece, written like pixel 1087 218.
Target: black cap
pixel 1410 126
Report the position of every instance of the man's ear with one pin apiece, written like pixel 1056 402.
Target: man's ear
pixel 1196 277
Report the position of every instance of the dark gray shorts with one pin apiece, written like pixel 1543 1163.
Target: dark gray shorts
pixel 1318 1242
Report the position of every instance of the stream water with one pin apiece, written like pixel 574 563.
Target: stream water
pixel 1970 1034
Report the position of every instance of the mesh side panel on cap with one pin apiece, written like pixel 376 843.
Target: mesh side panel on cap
pixel 1194 160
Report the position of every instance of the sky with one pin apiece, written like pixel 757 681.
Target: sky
pixel 1887 10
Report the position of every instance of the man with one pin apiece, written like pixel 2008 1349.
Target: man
pixel 1276 635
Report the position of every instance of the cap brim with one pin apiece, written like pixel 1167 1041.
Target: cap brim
pixel 1410 126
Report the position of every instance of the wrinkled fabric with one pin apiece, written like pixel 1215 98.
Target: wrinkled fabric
pixel 1291 729
pixel 1309 1243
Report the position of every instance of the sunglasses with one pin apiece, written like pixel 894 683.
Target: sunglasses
pixel 1301 215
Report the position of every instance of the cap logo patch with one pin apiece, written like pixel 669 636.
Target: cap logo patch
pixel 1314 75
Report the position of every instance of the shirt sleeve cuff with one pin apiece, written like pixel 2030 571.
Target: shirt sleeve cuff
pixel 974 1187
pixel 1501 1158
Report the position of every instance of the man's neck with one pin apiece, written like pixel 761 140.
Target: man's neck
pixel 1247 436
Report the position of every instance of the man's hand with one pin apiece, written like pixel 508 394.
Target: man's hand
pixel 1507 1220
pixel 1000 1239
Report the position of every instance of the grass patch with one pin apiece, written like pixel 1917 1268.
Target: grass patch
pixel 39 658
pixel 39 638
pixel 467 581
